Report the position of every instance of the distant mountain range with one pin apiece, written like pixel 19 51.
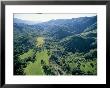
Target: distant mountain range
pixel 16 20
pixel 58 28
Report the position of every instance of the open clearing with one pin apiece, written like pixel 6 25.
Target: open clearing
pixel 40 41
pixel 30 53
pixel 36 68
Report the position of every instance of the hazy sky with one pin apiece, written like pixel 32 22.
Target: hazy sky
pixel 47 17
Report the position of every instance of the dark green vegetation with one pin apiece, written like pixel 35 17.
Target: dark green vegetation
pixel 56 47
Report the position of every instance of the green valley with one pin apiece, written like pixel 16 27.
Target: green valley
pixel 56 47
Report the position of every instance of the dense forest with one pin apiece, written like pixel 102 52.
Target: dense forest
pixel 56 47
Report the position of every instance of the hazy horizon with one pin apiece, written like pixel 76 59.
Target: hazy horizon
pixel 47 17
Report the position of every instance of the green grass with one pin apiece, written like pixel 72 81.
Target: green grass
pixel 36 68
pixel 30 53
pixel 42 56
pixel 40 41
pixel 33 69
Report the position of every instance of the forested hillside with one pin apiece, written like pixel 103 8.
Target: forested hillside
pixel 56 47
